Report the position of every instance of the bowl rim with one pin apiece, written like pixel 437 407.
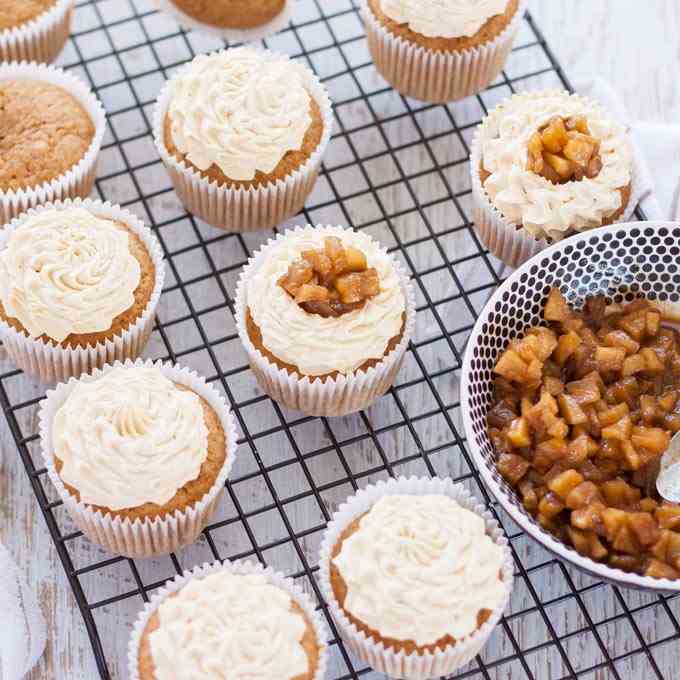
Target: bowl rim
pixel 524 520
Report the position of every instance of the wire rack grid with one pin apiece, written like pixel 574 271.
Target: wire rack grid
pixel 399 170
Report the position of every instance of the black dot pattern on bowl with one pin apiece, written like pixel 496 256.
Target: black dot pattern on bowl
pixel 621 265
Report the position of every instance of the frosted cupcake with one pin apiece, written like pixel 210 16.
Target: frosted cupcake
pixel 242 133
pixel 79 285
pixel 416 575
pixel 441 50
pixel 325 315
pixel 546 165
pixel 34 30
pixel 139 453
pixel 233 20
pixel 238 616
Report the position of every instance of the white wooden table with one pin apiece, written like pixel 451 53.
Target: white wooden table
pixel 636 46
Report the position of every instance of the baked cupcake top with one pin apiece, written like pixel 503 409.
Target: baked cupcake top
pixel 45 132
pixel 230 621
pixel 317 341
pixel 66 272
pixel 128 438
pixel 240 110
pixel 554 162
pixel 443 18
pixel 237 14
pixel 15 13
pixel 420 569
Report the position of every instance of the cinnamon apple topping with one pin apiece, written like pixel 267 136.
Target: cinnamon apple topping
pixel 564 151
pixel 332 281
pixel 583 410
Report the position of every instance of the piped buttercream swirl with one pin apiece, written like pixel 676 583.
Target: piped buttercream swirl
pixel 549 210
pixel 318 345
pixel 443 18
pixel 241 110
pixel 420 568
pixel 130 437
pixel 229 626
pixel 67 271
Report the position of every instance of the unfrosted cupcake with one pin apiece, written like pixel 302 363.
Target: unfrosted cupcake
pixel 441 50
pixel 139 454
pixel 325 315
pixel 79 285
pixel 52 130
pixel 237 616
pixel 546 165
pixel 233 20
pixel 416 575
pixel 242 133
pixel 34 30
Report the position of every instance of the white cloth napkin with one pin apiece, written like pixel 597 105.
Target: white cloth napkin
pixel 657 148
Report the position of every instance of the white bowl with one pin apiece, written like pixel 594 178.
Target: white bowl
pixel 622 261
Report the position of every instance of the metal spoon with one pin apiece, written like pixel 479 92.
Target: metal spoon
pixel 668 481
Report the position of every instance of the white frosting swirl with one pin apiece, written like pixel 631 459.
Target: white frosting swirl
pixel 229 626
pixel 443 18
pixel 130 437
pixel 523 197
pixel 241 110
pixel 420 568
pixel 318 345
pixel 67 271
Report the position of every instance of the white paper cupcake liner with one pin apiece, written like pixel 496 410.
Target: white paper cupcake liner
pixel 237 567
pixel 141 538
pixel 231 35
pixel 240 209
pixel 49 361
pixel 336 396
pixel 436 76
pixel 510 242
pixel 384 659
pixel 39 40
pixel 76 182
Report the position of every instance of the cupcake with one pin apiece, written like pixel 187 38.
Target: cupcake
pixel 79 285
pixel 232 20
pixel 238 616
pixel 416 575
pixel 325 316
pixel 52 130
pixel 242 133
pixel 139 453
pixel 34 30
pixel 546 165
pixel 441 50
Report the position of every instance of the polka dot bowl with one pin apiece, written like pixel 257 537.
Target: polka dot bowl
pixel 640 259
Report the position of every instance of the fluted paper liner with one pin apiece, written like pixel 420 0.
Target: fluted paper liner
pixel 508 241
pixel 231 35
pixel 49 361
pixel 141 538
pixel 239 567
pixel 238 209
pixel 41 39
pixel 336 396
pixel 413 666
pixel 76 182
pixel 437 76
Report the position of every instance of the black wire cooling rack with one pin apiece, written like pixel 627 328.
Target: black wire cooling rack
pixel 293 471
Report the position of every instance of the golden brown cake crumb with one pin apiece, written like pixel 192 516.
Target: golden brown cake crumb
pixel 124 320
pixel 488 32
pixel 289 163
pixel 17 12
pixel 147 670
pixel 239 14
pixel 45 132
pixel 192 491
